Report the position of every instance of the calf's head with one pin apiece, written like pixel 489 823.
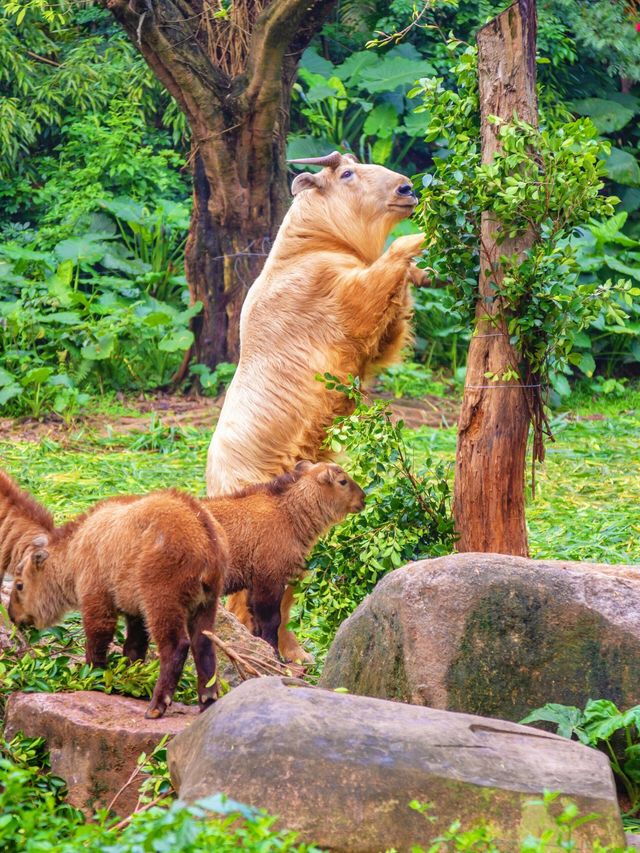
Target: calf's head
pixel 30 599
pixel 336 493
pixel 361 202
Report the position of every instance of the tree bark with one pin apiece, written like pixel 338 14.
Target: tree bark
pixel 494 421
pixel 233 79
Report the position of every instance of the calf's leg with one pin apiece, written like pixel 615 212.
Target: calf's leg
pixel 265 604
pixel 288 645
pixel 170 635
pixel 99 619
pixel 204 652
pixel 137 640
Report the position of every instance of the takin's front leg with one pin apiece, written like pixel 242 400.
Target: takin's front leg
pixel 170 635
pixel 99 619
pixel 265 601
pixel 288 645
pixel 204 652
pixel 367 294
pixel 137 640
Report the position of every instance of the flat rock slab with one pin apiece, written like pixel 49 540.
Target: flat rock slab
pixel 342 769
pixel 94 740
pixel 494 635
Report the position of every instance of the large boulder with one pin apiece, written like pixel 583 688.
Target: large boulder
pixel 494 635
pixel 343 769
pixel 94 741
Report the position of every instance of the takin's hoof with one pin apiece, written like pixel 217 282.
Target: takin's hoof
pixel 206 702
pixel 154 713
pixel 292 652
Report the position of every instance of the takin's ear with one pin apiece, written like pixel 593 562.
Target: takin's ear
pixel 303 465
pixel 327 476
pixel 40 554
pixel 305 181
pixel 38 557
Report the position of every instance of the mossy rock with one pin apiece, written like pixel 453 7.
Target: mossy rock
pixel 494 635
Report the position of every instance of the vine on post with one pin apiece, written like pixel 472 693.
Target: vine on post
pixel 540 183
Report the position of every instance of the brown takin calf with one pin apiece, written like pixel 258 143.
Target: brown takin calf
pixel 272 527
pixel 159 559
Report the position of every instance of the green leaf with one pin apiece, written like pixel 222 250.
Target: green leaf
pixel 36 376
pixel 100 349
pixel 307 146
pixel 393 72
pixel 181 339
pixel 79 249
pixel 607 116
pixel 350 70
pixel 6 378
pixel 567 718
pixel 126 209
pixel 381 121
pixel 587 364
pixel 9 392
pixel 316 64
pixel 623 168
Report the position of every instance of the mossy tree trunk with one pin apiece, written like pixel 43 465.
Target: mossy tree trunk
pixel 232 76
pixel 494 422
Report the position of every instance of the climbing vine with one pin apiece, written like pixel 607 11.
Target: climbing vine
pixel 544 181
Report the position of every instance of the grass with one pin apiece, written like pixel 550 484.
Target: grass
pixel 587 495
pixel 588 490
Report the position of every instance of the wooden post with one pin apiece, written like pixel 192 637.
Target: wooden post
pixel 494 421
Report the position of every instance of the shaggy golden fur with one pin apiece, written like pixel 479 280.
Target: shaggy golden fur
pixel 158 559
pixel 272 527
pixel 329 299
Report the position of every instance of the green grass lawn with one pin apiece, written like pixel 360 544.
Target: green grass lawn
pixel 587 504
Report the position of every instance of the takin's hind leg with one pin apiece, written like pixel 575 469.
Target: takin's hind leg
pixel 99 619
pixel 265 605
pixel 170 635
pixel 137 640
pixel 204 652
pixel 238 604
pixel 288 645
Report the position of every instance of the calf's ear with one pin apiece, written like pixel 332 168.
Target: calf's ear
pixel 39 557
pixel 303 465
pixel 326 476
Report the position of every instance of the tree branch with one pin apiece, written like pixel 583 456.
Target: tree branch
pixel 284 26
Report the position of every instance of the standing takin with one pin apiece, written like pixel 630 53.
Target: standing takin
pixel 272 527
pixel 329 299
pixel 159 559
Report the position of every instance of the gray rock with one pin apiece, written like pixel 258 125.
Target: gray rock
pixel 494 635
pixel 343 769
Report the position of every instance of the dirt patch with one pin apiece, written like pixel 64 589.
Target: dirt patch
pixel 171 409
pixel 176 410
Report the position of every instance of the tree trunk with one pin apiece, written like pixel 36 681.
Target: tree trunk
pixel 494 421
pixel 232 76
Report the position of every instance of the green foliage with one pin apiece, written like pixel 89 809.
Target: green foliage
pixel 407 514
pixel 360 103
pixel 103 310
pixel 212 382
pixel 34 818
pixel 53 662
pixel 543 182
pixel 78 97
pixel 482 839
pixel 410 380
pixel 602 725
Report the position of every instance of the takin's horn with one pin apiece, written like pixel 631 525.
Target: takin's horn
pixel 332 160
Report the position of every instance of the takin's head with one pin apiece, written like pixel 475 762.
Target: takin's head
pixel 30 599
pixel 360 201
pixel 335 494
